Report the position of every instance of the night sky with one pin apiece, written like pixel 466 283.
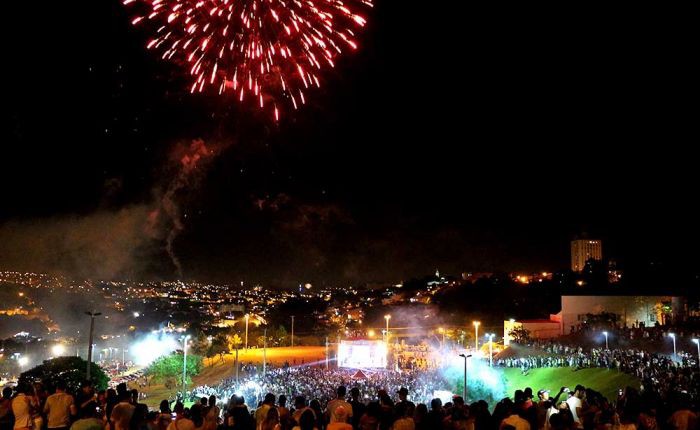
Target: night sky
pixel 461 139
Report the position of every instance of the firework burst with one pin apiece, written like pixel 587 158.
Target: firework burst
pixel 263 52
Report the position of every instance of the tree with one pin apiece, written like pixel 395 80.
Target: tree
pixel 71 370
pixel 279 336
pixel 168 368
pixel 234 342
pixel 219 345
pixel 520 335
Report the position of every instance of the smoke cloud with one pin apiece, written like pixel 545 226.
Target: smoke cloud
pixel 188 164
pixel 110 244
pixel 105 244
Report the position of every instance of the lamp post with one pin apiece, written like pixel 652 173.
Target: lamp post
pixel 464 392
pixel 264 351
pixel 673 337
pixel 476 335
pixel 247 317
pixel 442 330
pixel 184 366
pixel 490 336
pixel 292 330
pixel 387 317
pixel 697 342
pixel 92 314
pixel 605 333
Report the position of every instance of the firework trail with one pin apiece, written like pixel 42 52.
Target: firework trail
pixel 266 52
pixel 191 161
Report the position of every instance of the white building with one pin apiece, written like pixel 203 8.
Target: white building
pixel 539 329
pixel 631 309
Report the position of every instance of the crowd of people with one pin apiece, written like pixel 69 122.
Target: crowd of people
pixel 316 398
pixel 360 408
pixel 666 375
pixel 318 382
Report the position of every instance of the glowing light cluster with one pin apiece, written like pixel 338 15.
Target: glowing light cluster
pixel 267 52
pixel 147 349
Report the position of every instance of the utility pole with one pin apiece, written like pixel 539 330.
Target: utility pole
pixel 264 351
pixel 184 367
pixel 92 314
pixel 237 365
pixel 247 317
pixel 464 392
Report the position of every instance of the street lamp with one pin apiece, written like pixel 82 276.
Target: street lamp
pixel 605 333
pixel 476 336
pixel 697 342
pixel 490 336
pixel 673 337
pixel 247 317
pixel 184 365
pixel 464 392
pixel 92 314
pixel 387 317
pixel 442 330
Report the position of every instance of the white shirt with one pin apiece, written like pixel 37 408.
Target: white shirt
pixel 57 408
pixel 22 409
pixel 574 402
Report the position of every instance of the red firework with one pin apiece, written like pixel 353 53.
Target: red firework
pixel 266 51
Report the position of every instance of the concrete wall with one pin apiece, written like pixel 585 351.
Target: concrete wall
pixel 546 330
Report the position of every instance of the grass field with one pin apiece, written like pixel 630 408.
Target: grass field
pixel 606 381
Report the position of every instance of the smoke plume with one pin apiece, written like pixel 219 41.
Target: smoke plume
pixel 189 164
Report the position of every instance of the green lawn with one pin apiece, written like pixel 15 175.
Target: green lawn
pixel 606 381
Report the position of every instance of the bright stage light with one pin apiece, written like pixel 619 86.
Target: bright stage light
pixel 362 354
pixel 23 361
pixel 444 395
pixel 58 350
pixel 151 347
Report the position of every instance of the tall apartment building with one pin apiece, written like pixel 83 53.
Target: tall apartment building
pixel 583 250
